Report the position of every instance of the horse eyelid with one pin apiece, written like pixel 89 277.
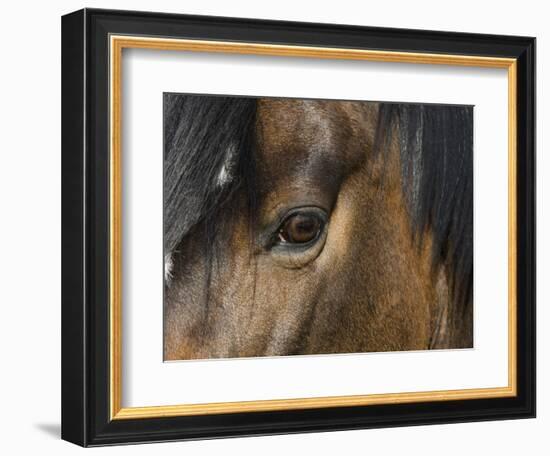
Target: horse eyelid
pixel 275 237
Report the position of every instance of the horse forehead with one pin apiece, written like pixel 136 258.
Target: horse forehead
pixel 308 133
pixel 290 124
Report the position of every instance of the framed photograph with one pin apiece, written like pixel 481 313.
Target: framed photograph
pixel 277 227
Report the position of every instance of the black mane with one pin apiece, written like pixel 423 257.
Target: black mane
pixel 203 135
pixel 436 143
pixel 208 138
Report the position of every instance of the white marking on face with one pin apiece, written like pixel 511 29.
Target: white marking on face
pixel 168 266
pixel 225 175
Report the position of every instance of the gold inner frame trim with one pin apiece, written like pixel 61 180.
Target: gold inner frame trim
pixel 117 44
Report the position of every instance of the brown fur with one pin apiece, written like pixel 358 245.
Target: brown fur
pixel 369 287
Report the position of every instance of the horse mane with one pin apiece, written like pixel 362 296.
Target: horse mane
pixel 208 155
pixel 436 147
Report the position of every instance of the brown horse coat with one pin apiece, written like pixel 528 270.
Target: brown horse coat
pixel 368 281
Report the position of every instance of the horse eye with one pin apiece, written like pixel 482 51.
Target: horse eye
pixel 300 229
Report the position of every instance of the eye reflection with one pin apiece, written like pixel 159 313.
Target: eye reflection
pixel 300 228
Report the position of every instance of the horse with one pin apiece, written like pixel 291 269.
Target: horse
pixel 310 226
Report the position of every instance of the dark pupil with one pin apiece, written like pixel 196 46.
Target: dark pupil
pixel 300 229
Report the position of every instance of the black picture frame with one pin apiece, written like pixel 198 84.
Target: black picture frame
pixel 85 228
